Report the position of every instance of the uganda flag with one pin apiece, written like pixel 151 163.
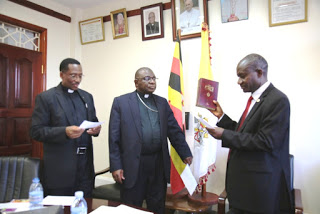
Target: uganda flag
pixel 180 175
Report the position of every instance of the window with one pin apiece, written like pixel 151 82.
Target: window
pixel 19 37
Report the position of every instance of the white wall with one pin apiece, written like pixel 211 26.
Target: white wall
pixel 292 51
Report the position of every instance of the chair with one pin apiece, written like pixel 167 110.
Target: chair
pixel 107 191
pixel 296 194
pixel 16 174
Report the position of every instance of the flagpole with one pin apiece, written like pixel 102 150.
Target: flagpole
pixel 179 41
pixel 205 198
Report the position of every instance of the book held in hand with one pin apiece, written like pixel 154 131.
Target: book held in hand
pixel 207 92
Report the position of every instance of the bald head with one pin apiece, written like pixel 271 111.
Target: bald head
pixel 145 80
pixel 254 62
pixel 252 72
pixel 142 71
pixel 151 17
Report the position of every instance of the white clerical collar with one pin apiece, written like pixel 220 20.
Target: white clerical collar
pixel 146 95
pixel 70 91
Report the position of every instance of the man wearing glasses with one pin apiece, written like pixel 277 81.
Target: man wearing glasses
pixel 140 123
pixel 67 148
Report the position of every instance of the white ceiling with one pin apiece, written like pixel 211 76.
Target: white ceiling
pixel 81 3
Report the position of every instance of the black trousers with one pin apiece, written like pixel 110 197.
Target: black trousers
pixel 84 179
pixel 150 186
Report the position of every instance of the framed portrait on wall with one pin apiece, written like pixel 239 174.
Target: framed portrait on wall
pixel 282 12
pixel 119 23
pixel 188 15
pixel 234 10
pixel 152 21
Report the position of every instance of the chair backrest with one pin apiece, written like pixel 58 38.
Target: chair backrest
pixel 16 174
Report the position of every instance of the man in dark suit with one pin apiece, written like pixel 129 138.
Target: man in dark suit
pixel 140 123
pixel 257 179
pixel 153 26
pixel 67 148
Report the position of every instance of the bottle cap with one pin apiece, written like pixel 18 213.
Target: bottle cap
pixel 36 180
pixel 78 194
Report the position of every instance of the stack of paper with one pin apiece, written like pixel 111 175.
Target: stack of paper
pixel 121 209
pixel 58 200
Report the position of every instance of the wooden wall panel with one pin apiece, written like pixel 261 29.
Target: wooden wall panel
pixel 2 132
pixel 23 82
pixel 21 131
pixel 3 80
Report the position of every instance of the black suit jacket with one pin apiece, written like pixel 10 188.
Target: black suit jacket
pixel 258 171
pixel 125 136
pixel 50 117
pixel 152 29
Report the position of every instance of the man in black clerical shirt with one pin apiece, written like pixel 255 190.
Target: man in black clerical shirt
pixel 153 26
pixel 140 123
pixel 67 148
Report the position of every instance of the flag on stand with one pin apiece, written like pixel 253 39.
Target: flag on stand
pixel 205 146
pixel 180 175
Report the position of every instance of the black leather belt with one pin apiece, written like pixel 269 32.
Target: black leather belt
pixel 81 150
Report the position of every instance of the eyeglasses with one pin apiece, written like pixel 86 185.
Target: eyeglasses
pixel 75 76
pixel 147 78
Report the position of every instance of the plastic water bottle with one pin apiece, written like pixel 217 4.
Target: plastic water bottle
pixel 79 205
pixel 36 193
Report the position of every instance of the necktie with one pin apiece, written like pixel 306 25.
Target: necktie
pixel 244 115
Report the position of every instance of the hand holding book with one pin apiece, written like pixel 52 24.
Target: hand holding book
pixel 207 92
pixel 218 112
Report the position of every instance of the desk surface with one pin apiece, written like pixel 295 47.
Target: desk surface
pixel 94 203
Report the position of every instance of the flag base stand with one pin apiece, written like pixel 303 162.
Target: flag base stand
pixel 181 194
pixel 203 198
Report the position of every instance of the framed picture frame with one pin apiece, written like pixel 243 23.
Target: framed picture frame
pixel 188 16
pixel 91 30
pixel 119 23
pixel 152 21
pixel 282 12
pixel 234 10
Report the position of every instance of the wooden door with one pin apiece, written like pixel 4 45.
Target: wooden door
pixel 20 82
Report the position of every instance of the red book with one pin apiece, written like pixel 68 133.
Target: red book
pixel 207 92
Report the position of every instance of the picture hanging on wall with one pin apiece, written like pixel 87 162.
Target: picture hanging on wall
pixel 152 21
pixel 188 16
pixel 91 30
pixel 119 23
pixel 234 10
pixel 282 12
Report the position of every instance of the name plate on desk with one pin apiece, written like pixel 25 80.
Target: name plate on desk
pixel 207 92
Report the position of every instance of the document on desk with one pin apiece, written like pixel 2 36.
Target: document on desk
pixel 58 200
pixel 88 124
pixel 121 209
pixel 14 207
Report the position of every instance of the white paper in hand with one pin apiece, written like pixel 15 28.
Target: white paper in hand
pixel 88 124
pixel 204 122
